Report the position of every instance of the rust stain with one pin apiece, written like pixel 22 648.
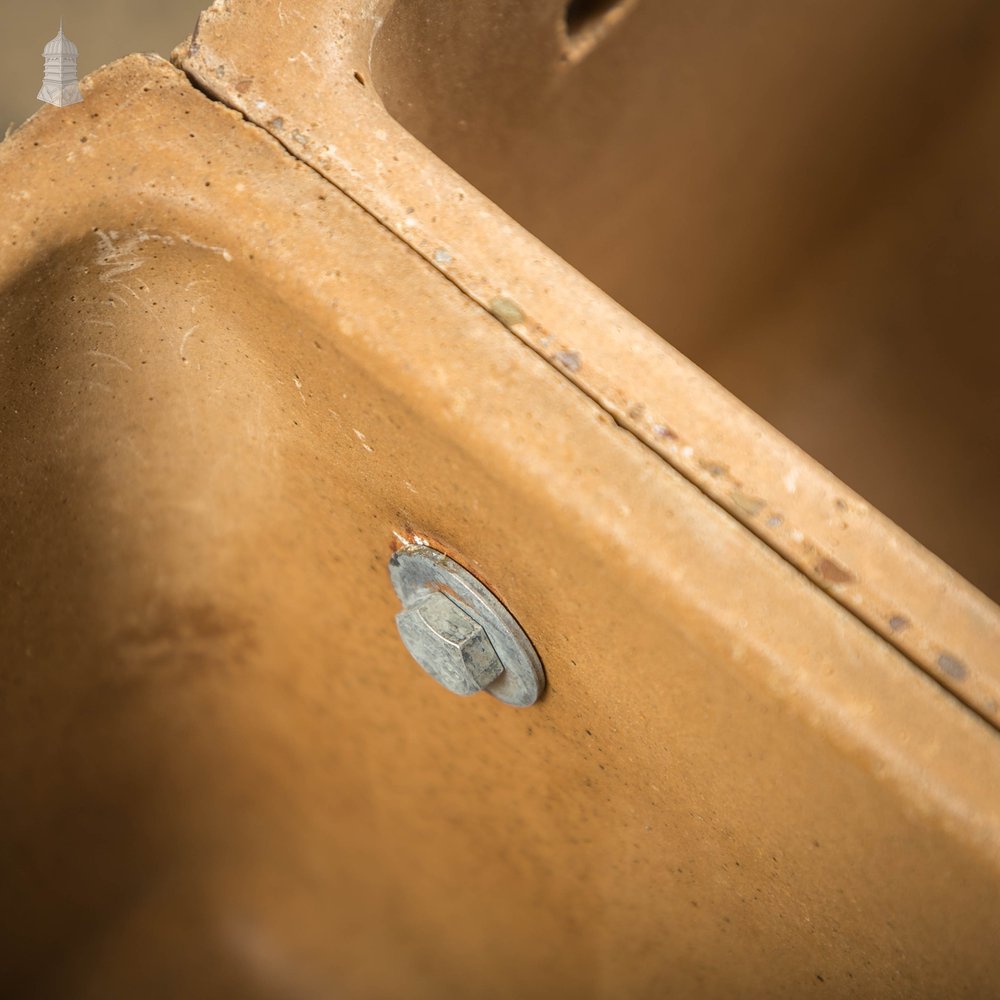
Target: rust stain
pixel 410 536
pixel 834 572
pixel 447 591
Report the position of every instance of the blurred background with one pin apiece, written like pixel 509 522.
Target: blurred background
pixel 103 30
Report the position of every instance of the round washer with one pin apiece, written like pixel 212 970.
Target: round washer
pixel 415 570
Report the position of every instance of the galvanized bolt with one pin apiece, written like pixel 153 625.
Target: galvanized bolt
pixel 458 631
pixel 449 644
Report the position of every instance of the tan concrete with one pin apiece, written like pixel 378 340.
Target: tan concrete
pixel 832 534
pixel 228 392
pixel 799 197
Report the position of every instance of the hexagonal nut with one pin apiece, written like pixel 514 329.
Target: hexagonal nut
pixel 449 644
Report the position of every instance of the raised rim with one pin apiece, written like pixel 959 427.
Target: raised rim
pixel 857 555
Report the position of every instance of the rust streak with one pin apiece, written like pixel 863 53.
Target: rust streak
pixel 834 572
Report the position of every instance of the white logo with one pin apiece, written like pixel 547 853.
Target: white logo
pixel 59 87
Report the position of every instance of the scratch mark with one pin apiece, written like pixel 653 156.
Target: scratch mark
pixel 362 439
pixel 110 357
pixel 222 251
pixel 184 340
pixel 89 384
pixel 118 258
pixel 376 28
pixel 108 276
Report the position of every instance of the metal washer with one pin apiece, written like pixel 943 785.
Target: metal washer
pixel 416 570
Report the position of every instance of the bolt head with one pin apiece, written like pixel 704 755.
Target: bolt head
pixel 449 644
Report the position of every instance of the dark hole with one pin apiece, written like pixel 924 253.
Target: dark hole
pixel 359 78
pixel 581 13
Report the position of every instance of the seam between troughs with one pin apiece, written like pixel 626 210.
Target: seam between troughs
pixel 202 87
